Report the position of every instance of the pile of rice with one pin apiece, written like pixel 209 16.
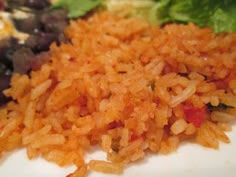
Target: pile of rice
pixel 126 86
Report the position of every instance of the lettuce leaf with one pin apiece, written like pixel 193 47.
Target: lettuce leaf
pixel 220 15
pixel 77 8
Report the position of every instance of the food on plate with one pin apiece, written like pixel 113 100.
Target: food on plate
pixel 30 26
pixel 217 14
pixel 127 85
pixel 27 29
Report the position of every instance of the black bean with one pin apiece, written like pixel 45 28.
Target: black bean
pixel 4 84
pixel 22 60
pixel 37 4
pixel 4 45
pixel 7 47
pixel 32 4
pixel 41 41
pixel 2 68
pixel 38 60
pixel 54 21
pixel 28 25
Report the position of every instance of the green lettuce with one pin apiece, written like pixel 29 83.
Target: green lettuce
pixel 77 8
pixel 220 15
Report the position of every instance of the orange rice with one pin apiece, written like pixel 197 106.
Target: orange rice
pixel 122 84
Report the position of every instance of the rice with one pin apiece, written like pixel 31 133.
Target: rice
pixel 126 86
pixel 105 167
pixel 178 126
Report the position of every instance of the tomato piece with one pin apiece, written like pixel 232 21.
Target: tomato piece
pixel 115 124
pixel 194 115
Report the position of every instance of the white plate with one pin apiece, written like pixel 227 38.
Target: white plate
pixel 189 160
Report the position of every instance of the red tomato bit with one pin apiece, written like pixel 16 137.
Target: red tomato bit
pixel 194 115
